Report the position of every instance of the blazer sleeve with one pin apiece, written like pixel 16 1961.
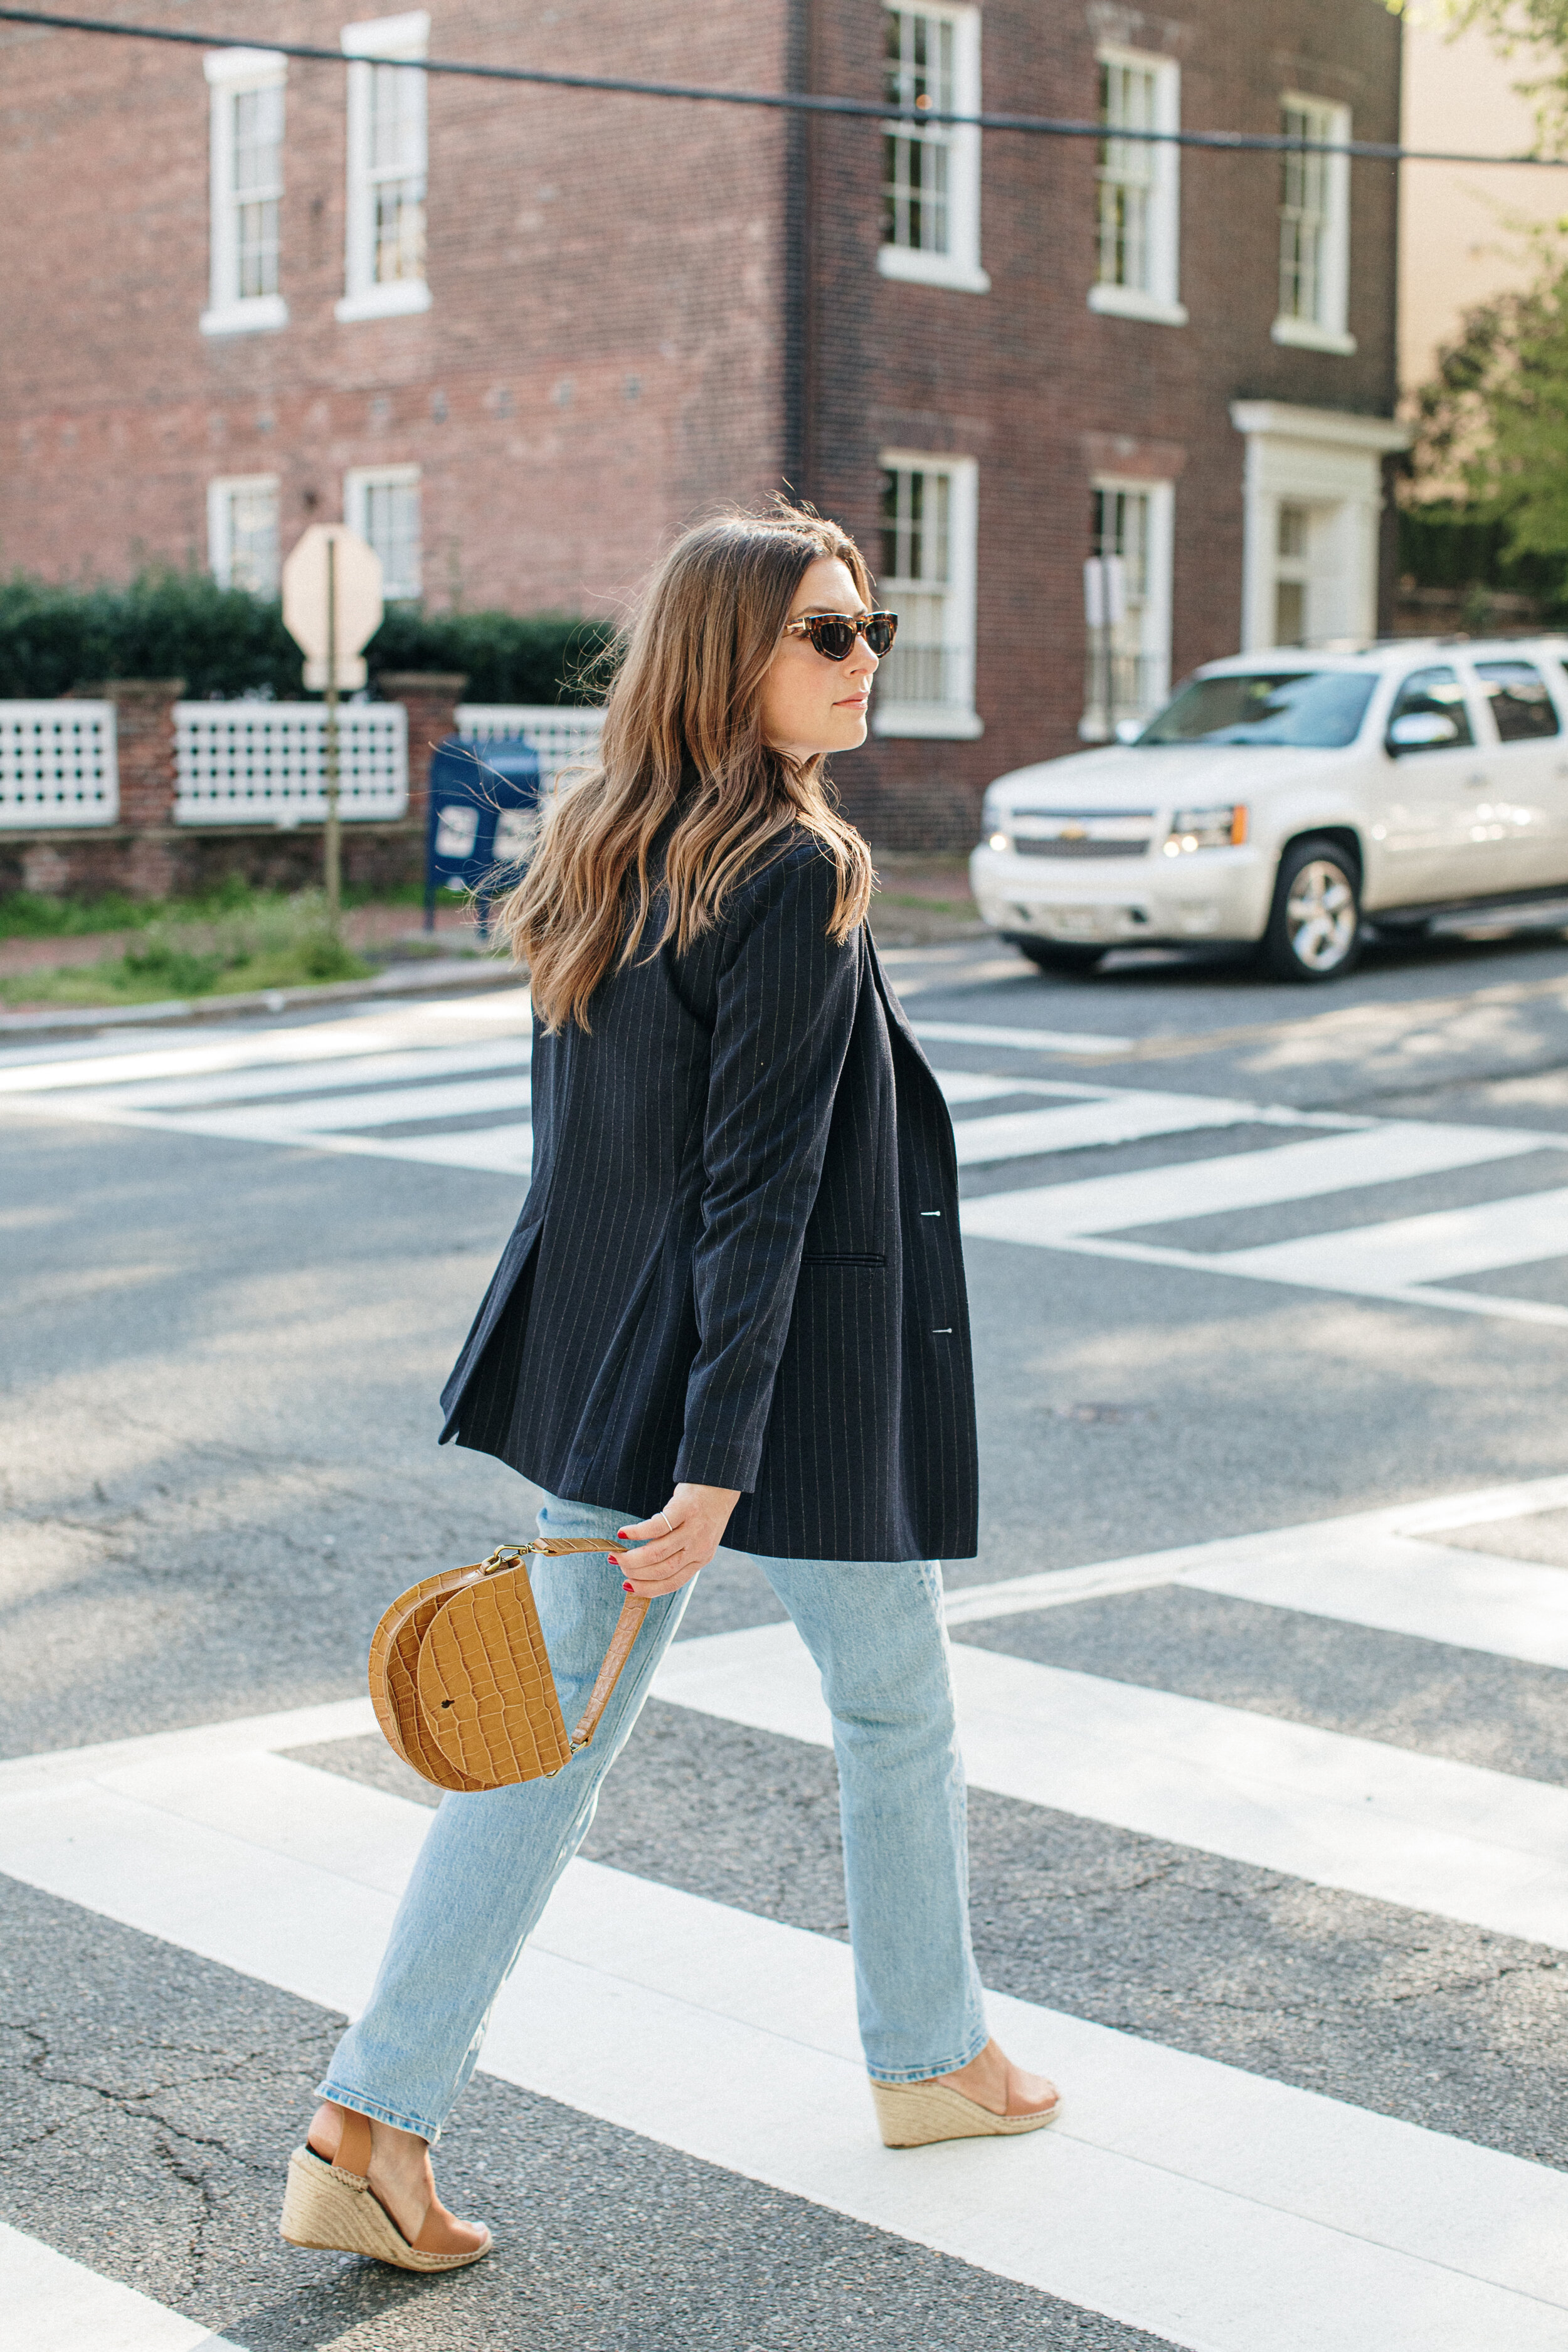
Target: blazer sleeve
pixel 786 1000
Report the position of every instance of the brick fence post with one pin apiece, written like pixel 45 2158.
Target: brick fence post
pixel 430 696
pixel 144 751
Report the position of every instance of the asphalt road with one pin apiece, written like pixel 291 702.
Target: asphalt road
pixel 221 1358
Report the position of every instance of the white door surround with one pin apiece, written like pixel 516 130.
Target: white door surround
pixel 1330 462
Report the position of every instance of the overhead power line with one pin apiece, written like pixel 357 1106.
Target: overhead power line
pixel 1037 126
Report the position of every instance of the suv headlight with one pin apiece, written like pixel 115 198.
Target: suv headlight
pixel 995 830
pixel 1206 828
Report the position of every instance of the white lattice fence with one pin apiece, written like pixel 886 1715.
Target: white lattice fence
pixel 564 739
pixel 56 765
pixel 264 762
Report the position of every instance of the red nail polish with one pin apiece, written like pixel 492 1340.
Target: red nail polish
pixel 625 1587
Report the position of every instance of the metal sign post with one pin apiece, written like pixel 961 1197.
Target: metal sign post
pixel 332 608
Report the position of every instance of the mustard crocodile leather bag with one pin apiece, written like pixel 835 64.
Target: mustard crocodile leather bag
pixel 460 1679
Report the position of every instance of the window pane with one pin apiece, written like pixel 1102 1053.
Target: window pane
pixel 1127 95
pixel 257 131
pixel 917 71
pixel 1303 214
pixel 397 119
pixel 253 541
pixel 1311 710
pixel 398 250
pixel 1290 611
pixel 1119 526
pixel 926 664
pixel 1521 707
pixel 1436 690
pixel 391 527
pixel 1292 530
pixel 397 174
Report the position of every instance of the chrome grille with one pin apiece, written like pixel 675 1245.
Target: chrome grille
pixel 1056 846
pixel 1080 833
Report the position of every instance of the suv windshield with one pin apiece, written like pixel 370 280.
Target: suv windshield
pixel 1315 709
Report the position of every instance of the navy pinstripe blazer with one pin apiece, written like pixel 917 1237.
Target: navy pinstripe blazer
pixel 739 1259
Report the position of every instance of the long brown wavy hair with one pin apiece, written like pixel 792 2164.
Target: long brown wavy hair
pixel 683 739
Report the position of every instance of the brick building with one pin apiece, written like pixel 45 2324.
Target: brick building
pixel 518 335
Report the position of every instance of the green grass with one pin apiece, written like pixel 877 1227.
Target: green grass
pixel 28 915
pixel 269 942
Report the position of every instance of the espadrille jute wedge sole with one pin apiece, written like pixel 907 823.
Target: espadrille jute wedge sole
pixel 333 2206
pixel 913 2115
pixel 336 2211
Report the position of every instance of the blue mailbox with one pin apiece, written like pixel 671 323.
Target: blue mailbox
pixel 484 813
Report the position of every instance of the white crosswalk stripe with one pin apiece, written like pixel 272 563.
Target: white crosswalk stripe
pixel 1422 1830
pixel 1372 1571
pixel 455 1078
pixel 1264 2213
pixel 53 2304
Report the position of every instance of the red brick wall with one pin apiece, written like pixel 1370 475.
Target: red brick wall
pixel 430 697
pixel 1043 392
pixel 607 351
pixel 601 351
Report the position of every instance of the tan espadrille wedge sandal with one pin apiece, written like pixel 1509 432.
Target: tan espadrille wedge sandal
pixel 333 2206
pixel 913 2115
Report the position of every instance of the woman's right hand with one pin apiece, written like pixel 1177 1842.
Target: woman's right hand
pixel 675 1542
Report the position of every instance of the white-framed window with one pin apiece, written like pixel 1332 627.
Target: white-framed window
pixel 246 112
pixel 383 266
pixel 1128 671
pixel 930 172
pixel 927 575
pixel 242 533
pixel 1138 215
pixel 1314 227
pixel 382 503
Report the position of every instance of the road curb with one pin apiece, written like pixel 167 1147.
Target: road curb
pixel 404 979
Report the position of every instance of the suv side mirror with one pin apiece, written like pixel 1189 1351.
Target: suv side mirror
pixel 1420 731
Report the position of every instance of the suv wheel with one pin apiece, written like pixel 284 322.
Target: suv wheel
pixel 1051 955
pixel 1315 928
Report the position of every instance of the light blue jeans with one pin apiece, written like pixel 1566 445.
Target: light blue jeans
pixel 487 1866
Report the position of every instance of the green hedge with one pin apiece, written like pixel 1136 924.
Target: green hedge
pixel 224 642
pixel 1443 546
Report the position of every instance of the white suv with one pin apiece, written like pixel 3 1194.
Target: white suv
pixel 1280 796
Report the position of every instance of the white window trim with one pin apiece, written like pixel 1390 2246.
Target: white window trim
pixel 230 73
pixel 959 269
pixel 392 37
pixel 1331 333
pixel 1160 304
pixel 1303 335
pixel 957 721
pixel 1160 564
pixel 220 545
pixel 357 483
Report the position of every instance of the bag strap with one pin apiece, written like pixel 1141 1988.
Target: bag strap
pixel 628 1625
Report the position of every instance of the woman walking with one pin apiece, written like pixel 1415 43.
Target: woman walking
pixel 732 1310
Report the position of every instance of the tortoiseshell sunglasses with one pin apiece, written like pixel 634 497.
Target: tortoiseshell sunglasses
pixel 834 633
